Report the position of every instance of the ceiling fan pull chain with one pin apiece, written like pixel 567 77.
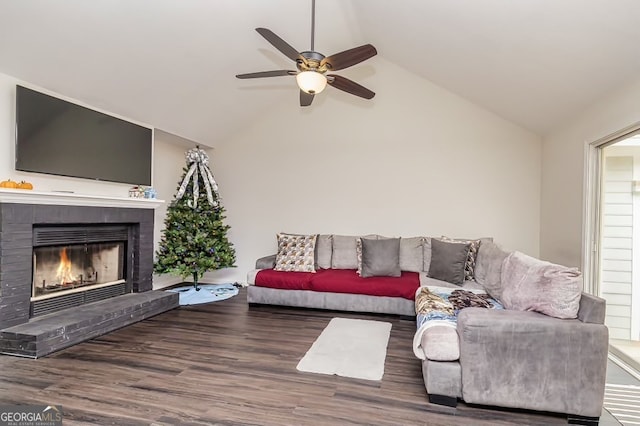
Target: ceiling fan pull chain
pixel 313 24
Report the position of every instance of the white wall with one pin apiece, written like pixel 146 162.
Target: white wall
pixel 563 171
pixel 167 162
pixel 416 160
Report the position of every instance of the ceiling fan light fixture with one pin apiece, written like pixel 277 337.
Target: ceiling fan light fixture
pixel 311 82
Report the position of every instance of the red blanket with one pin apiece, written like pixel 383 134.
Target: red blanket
pixel 341 281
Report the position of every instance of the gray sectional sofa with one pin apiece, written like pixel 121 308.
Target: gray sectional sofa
pixel 517 357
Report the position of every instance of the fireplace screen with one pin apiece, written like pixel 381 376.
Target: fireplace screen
pixel 61 269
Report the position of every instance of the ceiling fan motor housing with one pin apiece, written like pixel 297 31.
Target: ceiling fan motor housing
pixel 313 62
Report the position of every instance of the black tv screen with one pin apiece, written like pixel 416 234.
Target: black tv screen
pixel 57 137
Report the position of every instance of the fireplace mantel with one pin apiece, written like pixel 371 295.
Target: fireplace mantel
pixel 21 196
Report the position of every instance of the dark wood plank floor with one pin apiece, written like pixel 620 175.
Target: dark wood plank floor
pixel 228 363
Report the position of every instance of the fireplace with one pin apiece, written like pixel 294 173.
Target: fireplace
pixel 66 269
pixel 104 250
pixel 73 265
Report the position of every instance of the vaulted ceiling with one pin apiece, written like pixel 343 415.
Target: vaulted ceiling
pixel 171 63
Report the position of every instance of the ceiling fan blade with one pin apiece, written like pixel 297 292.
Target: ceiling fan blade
pixel 305 98
pixel 278 73
pixel 281 45
pixel 349 86
pixel 349 57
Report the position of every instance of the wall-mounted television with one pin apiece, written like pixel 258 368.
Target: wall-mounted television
pixel 57 137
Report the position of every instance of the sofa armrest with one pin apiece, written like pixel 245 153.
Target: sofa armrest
pixel 266 262
pixel 592 309
pixel 532 361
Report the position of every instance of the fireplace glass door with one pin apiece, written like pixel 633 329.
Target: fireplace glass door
pixel 65 268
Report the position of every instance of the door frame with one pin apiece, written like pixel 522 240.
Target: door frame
pixel 592 196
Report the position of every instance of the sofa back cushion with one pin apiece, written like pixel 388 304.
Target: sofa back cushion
pixel 426 254
pixel 324 249
pixel 489 268
pixel 344 254
pixel 530 284
pixel 411 254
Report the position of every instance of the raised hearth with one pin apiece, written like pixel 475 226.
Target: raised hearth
pixel 49 333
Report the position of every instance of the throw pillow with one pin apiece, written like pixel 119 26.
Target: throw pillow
pixel 530 284
pixel 359 251
pixel 296 253
pixel 489 268
pixel 470 264
pixel 380 258
pixel 448 261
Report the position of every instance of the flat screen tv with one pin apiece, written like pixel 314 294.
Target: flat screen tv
pixel 57 137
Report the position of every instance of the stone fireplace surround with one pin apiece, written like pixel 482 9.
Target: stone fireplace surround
pixel 21 210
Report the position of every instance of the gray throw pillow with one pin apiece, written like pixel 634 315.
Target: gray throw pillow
pixel 381 258
pixel 448 261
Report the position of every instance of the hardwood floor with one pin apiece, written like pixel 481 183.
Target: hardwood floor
pixel 228 363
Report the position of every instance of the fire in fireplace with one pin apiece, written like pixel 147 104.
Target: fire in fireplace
pixel 70 268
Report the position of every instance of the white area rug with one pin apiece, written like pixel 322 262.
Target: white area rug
pixel 349 348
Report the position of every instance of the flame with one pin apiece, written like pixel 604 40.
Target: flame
pixel 64 268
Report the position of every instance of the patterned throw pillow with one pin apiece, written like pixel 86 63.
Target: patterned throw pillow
pixel 470 265
pixel 296 253
pixel 359 252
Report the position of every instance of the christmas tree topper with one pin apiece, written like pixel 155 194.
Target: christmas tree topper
pixel 199 162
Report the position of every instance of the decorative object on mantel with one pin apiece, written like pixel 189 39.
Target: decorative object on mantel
pixel 150 193
pixel 207 293
pixel 8 184
pixel 194 240
pixel 25 185
pixel 136 191
pixel 140 191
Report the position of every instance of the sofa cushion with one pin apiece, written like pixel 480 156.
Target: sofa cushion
pixel 489 268
pixel 448 261
pixel 347 281
pixel 470 264
pixel 296 253
pixel 426 254
pixel 411 254
pixel 530 284
pixel 426 281
pixel 380 258
pixel 285 280
pixel 359 251
pixel 340 281
pixel 437 309
pixel 324 249
pixel 344 255
pixel 440 343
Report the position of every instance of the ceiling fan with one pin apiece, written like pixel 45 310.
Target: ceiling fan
pixel 313 66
